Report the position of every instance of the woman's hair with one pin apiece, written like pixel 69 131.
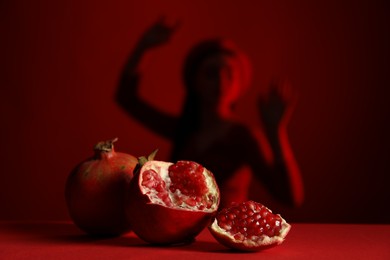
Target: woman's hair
pixel 211 47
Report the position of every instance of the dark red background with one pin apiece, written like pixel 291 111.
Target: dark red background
pixel 60 62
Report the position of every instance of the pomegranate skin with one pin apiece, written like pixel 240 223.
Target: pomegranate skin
pixel 160 224
pixel 95 192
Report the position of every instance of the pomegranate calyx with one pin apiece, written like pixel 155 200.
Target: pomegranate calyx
pixel 105 146
pixel 142 160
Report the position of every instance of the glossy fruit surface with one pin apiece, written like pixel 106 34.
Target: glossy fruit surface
pixel 95 191
pixel 249 226
pixel 171 203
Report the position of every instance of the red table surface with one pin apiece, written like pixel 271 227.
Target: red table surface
pixel 62 240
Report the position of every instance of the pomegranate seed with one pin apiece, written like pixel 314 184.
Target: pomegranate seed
pixel 150 179
pixel 234 229
pixel 231 216
pixel 239 237
pixel 191 202
pixel 242 215
pixel 242 223
pixel 160 187
pixel 253 225
pixel 252 206
pixel 225 226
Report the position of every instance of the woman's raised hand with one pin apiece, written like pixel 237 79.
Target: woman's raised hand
pixel 276 107
pixel 159 33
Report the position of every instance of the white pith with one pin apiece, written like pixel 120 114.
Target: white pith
pixel 162 169
pixel 255 241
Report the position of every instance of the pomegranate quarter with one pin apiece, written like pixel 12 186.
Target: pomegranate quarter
pixel 249 226
pixel 171 203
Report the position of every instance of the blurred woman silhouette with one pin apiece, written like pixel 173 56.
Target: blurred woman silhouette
pixel 216 73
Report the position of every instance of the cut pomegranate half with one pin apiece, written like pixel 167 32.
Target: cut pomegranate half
pixel 249 226
pixel 171 203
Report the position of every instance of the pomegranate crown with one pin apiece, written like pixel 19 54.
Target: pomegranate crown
pixel 142 160
pixel 105 146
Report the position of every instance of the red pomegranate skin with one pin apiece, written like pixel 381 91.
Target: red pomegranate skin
pixel 95 192
pixel 162 225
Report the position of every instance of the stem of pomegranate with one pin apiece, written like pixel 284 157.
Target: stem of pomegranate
pixel 105 146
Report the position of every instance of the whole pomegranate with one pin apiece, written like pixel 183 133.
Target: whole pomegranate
pixel 95 191
pixel 249 226
pixel 171 203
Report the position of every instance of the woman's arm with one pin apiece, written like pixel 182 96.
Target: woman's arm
pixel 127 95
pixel 283 178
